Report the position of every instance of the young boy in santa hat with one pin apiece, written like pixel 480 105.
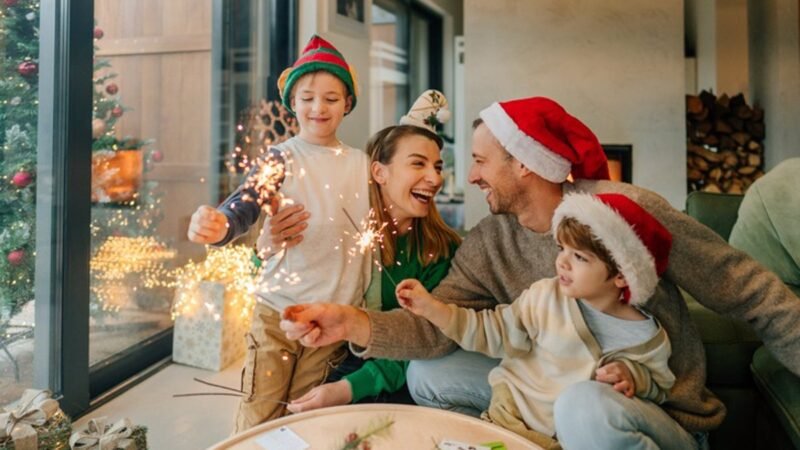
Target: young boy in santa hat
pixel 554 334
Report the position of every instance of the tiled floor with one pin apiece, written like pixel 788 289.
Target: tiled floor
pixel 189 423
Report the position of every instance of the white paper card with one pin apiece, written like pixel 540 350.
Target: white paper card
pixel 281 439
pixel 449 444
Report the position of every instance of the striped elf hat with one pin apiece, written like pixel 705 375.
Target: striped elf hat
pixel 319 54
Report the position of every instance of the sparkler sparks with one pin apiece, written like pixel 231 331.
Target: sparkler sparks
pixel 266 179
pixel 369 237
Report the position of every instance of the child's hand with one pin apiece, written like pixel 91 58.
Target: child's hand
pixel 208 226
pixel 413 296
pixel 617 374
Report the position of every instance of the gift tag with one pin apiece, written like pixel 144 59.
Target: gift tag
pixel 449 444
pixel 281 439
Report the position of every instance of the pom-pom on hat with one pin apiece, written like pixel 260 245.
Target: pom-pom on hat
pixel 318 54
pixel 546 139
pixel 637 241
pixel 428 111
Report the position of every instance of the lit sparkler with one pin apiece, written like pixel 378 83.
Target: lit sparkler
pixel 266 179
pixel 369 237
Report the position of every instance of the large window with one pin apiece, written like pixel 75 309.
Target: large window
pixel 106 150
pixel 405 58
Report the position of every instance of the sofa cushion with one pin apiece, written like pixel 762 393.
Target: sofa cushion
pixel 729 346
pixel 781 389
pixel 716 211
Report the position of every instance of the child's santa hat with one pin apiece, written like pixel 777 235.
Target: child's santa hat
pixel 318 54
pixel 637 241
pixel 546 139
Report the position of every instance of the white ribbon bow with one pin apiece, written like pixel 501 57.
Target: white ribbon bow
pixel 34 409
pixel 99 436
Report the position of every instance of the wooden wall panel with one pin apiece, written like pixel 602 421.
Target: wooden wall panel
pixel 161 51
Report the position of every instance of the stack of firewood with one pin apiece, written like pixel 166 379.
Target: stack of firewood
pixel 724 141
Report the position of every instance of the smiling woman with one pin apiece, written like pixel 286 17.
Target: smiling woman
pixel 406 173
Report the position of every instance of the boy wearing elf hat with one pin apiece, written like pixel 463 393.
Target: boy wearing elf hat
pixel 611 254
pixel 314 168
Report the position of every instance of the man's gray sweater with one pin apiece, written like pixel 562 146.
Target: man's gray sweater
pixel 499 259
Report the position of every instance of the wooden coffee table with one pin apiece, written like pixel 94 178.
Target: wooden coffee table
pixel 414 427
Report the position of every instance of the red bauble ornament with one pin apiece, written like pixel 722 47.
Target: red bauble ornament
pixel 16 257
pixel 98 33
pixel 157 155
pixel 117 112
pixel 28 68
pixel 112 89
pixel 10 3
pixel 22 179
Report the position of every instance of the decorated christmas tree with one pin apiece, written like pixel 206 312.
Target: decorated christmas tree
pixel 19 76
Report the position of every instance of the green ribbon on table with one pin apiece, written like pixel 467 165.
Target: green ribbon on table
pixel 34 409
pixel 99 436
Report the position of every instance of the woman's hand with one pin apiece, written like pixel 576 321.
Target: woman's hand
pixel 329 394
pixel 617 374
pixel 287 225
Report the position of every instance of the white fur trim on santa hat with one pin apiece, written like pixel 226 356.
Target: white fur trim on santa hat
pixel 530 152
pixel 634 260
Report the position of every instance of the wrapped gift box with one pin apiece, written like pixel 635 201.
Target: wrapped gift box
pixel 210 333
pixel 44 425
pixel 99 434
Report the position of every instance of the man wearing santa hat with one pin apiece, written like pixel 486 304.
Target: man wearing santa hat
pixel 523 150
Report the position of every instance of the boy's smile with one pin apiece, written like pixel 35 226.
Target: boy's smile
pixel 320 102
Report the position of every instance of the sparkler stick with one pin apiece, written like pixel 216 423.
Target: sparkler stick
pixel 367 238
pixel 233 393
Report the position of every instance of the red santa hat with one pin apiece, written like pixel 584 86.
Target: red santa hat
pixel 546 139
pixel 637 241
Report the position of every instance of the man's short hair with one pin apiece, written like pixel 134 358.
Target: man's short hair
pixel 580 236
pixel 476 123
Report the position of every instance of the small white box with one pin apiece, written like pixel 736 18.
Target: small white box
pixel 211 336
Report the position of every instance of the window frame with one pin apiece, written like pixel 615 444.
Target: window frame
pixel 63 208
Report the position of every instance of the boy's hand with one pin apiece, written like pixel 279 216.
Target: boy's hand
pixel 208 226
pixel 322 396
pixel 617 374
pixel 413 296
pixel 287 225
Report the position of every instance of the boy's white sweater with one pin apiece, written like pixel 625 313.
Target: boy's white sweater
pixel 545 346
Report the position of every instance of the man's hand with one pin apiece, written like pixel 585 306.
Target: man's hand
pixel 320 324
pixel 287 225
pixel 329 394
pixel 617 374
pixel 208 226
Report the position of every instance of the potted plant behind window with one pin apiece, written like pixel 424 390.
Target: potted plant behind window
pixel 117 164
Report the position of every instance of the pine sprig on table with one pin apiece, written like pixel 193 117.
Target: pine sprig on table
pixel 354 441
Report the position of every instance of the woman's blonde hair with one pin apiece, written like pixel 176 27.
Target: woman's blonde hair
pixel 430 235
